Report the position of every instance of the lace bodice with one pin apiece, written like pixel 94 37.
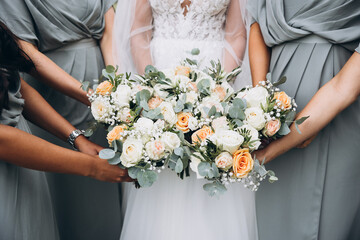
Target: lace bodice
pixel 204 19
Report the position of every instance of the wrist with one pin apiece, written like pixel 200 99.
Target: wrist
pixel 73 137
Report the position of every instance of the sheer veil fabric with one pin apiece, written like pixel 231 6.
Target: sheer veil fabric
pixel 161 33
pixel 141 27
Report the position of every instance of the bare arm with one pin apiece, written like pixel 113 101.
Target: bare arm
pixel 39 112
pixel 25 150
pixel 107 38
pixel 52 75
pixel 344 87
pixel 140 42
pixel 235 36
pixel 259 55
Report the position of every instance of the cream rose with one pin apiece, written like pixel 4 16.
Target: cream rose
pixel 121 96
pixel 256 97
pixel 131 152
pixel 224 161
pixel 193 124
pixel 208 103
pixel 154 102
pixel 220 124
pixel 168 113
pixel 124 115
pixel 229 140
pixel 191 97
pixel 272 127
pixel 99 108
pixel 255 117
pixel 144 125
pixel 170 140
pixel 155 149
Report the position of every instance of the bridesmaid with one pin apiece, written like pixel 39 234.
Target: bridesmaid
pixel 69 41
pixel 317 195
pixel 26 211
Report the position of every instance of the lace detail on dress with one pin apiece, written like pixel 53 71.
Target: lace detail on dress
pixel 204 20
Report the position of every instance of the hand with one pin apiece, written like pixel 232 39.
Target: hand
pixel 261 155
pixel 103 171
pixel 307 142
pixel 86 146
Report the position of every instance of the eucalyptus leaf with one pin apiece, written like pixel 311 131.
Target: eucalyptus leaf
pixel 88 132
pixel 281 81
pixel 238 102
pixel 301 120
pixel 238 122
pixel 133 171
pixel 260 169
pixel 179 106
pixel 214 189
pixel 273 179
pixel 195 51
pixel 149 69
pixel 284 130
pixel 107 153
pixel 85 85
pixel 204 168
pixel 236 113
pixel 115 160
pixel 179 166
pixel 146 178
pixel 212 111
pixel 290 116
pixel 179 152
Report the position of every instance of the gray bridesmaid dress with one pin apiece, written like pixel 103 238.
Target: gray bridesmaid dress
pixel 68 32
pixel 318 192
pixel 26 211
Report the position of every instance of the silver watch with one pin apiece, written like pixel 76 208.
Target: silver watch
pixel 73 135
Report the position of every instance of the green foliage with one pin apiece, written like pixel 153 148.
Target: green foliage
pixel 115 160
pixel 284 130
pixel 146 178
pixel 281 81
pixel 195 51
pixel 215 189
pixel 107 154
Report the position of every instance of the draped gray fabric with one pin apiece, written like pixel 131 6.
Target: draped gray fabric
pixel 26 211
pixel 317 195
pixel 68 32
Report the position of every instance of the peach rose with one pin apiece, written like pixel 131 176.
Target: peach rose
pixel 192 86
pixel 202 133
pixel 220 92
pixel 242 163
pixel 104 88
pixel 154 102
pixel 183 121
pixel 272 127
pixel 115 133
pixel 285 100
pixel 183 70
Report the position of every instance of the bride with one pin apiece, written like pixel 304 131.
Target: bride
pixel 162 33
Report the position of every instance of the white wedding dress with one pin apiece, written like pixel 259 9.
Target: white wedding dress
pixel 161 33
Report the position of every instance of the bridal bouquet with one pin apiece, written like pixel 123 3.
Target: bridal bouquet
pixel 250 117
pixel 141 126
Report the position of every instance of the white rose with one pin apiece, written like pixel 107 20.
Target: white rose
pixel 100 108
pixel 229 140
pixel 160 90
pixel 224 161
pixel 155 149
pixel 170 140
pixel 253 134
pixel 194 164
pixel 220 124
pixel 257 96
pixel 121 96
pixel 131 152
pixel 193 124
pixel 144 125
pixel 191 97
pixel 168 113
pixel 255 117
pixel 181 81
pixel 124 115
